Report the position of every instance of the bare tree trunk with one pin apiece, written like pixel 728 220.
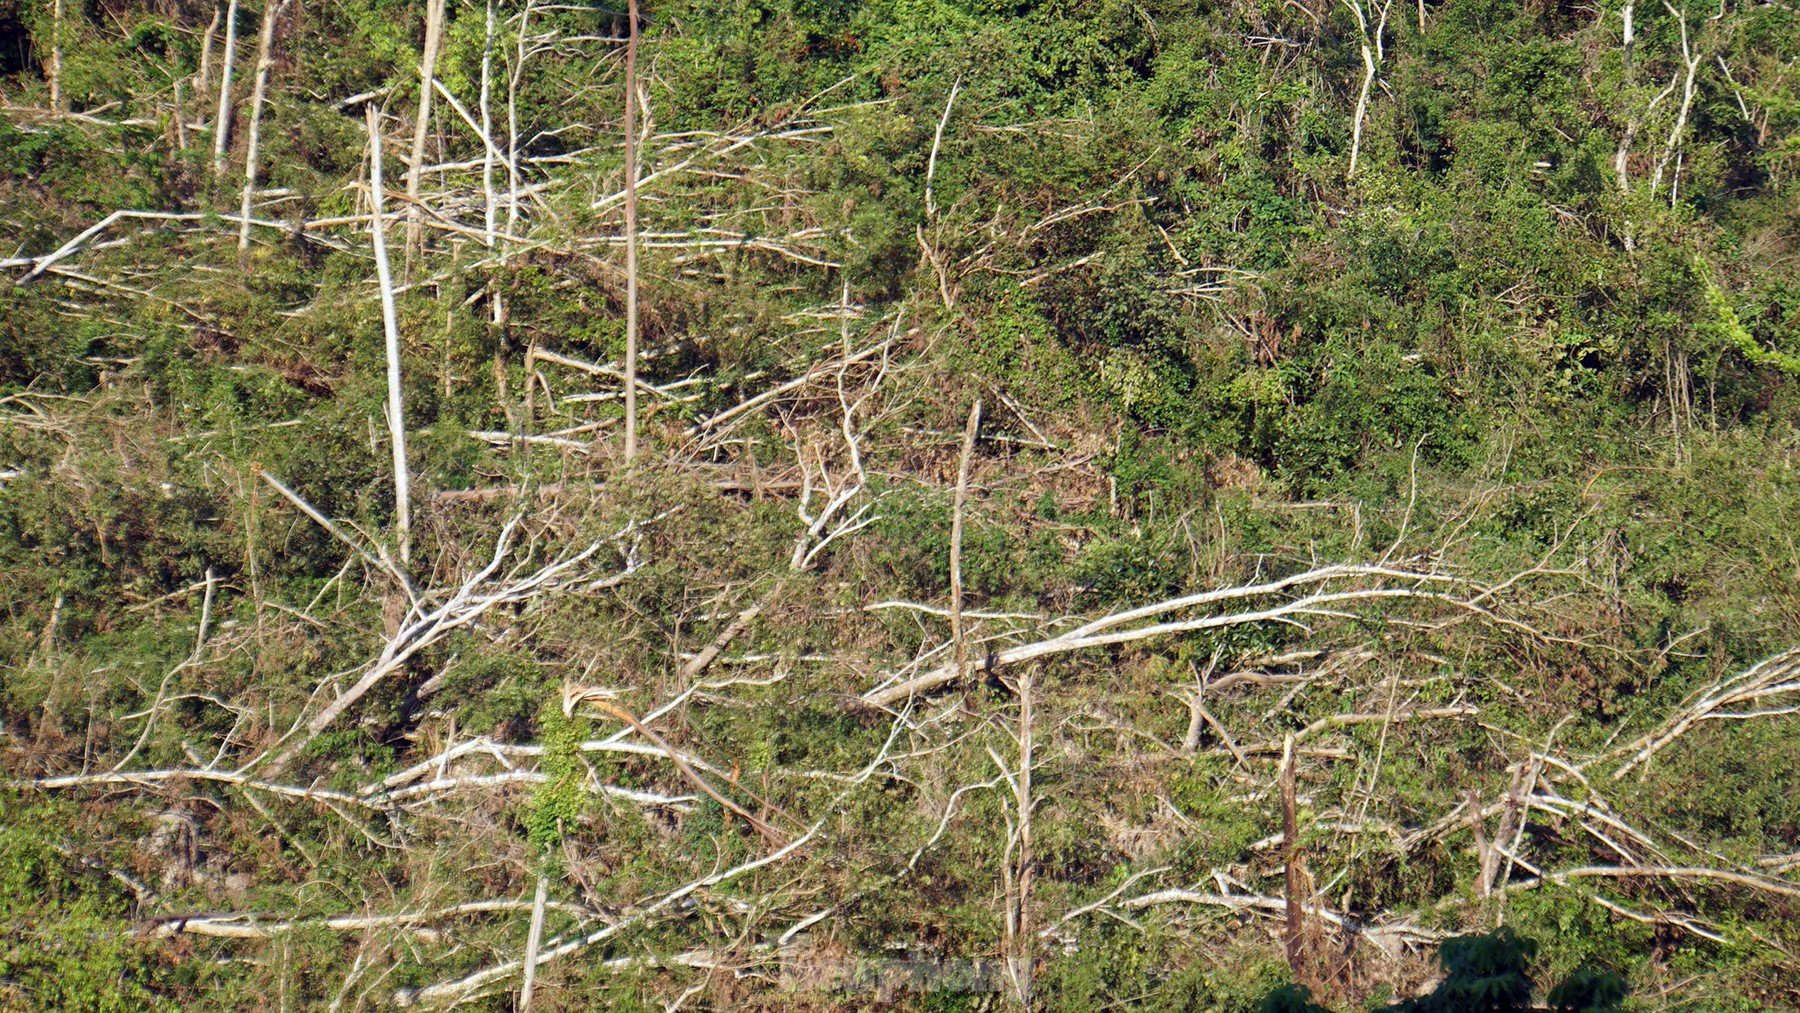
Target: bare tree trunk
pixel 533 940
pixel 222 124
pixel 937 139
pixel 514 76
pixel 1373 54
pixel 1290 842
pixel 1627 35
pixel 434 32
pixel 178 106
pixel 1483 857
pixel 956 536
pixel 1362 108
pixel 1019 959
pixel 265 60
pixel 390 326
pixel 631 237
pixel 203 74
pixel 490 210
pixel 54 70
pixel 488 206
pixel 1622 157
pixel 1690 62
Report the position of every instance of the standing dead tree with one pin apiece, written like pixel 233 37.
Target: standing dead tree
pixel 390 330
pixel 631 234
pixel 1690 67
pixel 222 121
pixel 265 61
pixel 1374 53
pixel 53 65
pixel 434 31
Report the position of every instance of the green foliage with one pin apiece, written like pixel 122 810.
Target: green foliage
pixel 63 944
pixel 559 802
pixel 1730 328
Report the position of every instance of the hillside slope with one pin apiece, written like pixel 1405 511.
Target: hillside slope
pixel 1120 504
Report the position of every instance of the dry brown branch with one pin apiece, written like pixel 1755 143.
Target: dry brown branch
pixel 812 375
pixel 439 787
pixel 506 754
pixel 835 519
pixel 156 705
pixel 1342 720
pixel 37 266
pixel 146 778
pixel 533 940
pixel 692 668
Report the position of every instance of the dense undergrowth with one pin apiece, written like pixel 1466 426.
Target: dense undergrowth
pixel 1539 351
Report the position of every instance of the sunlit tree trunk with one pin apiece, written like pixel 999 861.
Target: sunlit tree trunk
pixel 265 61
pixel 55 70
pixel 434 31
pixel 631 239
pixel 203 73
pixel 489 207
pixel 390 327
pixel 514 77
pixel 1373 54
pixel 222 124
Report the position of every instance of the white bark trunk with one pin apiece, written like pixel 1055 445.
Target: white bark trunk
pixel 533 940
pixel 54 70
pixel 631 237
pixel 390 326
pixel 222 124
pixel 434 31
pixel 265 60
